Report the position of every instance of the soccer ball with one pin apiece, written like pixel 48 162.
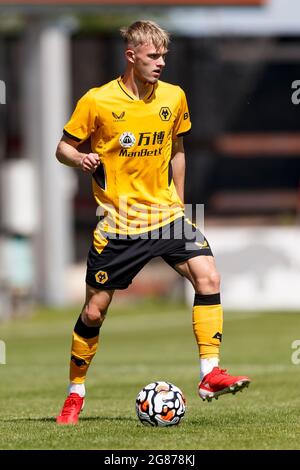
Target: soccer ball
pixel 160 404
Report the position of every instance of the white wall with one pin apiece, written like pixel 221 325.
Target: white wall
pixel 274 18
pixel 18 197
pixel 260 267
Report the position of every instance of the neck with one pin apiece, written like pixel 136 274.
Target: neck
pixel 139 88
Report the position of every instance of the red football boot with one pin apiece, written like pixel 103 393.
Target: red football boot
pixel 217 382
pixel 71 409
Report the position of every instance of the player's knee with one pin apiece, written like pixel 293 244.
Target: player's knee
pixel 215 281
pixel 210 283
pixel 92 315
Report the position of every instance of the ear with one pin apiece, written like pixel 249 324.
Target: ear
pixel 130 55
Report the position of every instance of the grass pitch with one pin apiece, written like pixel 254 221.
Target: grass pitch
pixel 140 344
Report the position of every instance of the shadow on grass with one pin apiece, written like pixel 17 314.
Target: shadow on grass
pixel 82 419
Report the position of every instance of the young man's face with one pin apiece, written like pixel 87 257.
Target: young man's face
pixel 148 62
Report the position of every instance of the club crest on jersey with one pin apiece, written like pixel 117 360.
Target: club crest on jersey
pixel 165 113
pixel 127 140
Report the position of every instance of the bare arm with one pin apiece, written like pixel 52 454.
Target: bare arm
pixel 178 166
pixel 68 154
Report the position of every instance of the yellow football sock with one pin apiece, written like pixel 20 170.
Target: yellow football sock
pixel 208 324
pixel 84 347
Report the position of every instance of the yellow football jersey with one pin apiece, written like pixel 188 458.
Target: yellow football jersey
pixel 133 185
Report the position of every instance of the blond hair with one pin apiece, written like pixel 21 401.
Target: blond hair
pixel 145 32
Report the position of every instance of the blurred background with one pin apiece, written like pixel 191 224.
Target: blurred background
pixel 238 62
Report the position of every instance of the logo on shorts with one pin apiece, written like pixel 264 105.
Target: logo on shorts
pixel 127 140
pixel 202 245
pixel 101 277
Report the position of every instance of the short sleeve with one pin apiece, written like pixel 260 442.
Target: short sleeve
pixel 82 122
pixel 182 124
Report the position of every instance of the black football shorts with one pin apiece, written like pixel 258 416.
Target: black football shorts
pixel 123 256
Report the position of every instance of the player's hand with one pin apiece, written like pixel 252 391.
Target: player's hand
pixel 90 162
